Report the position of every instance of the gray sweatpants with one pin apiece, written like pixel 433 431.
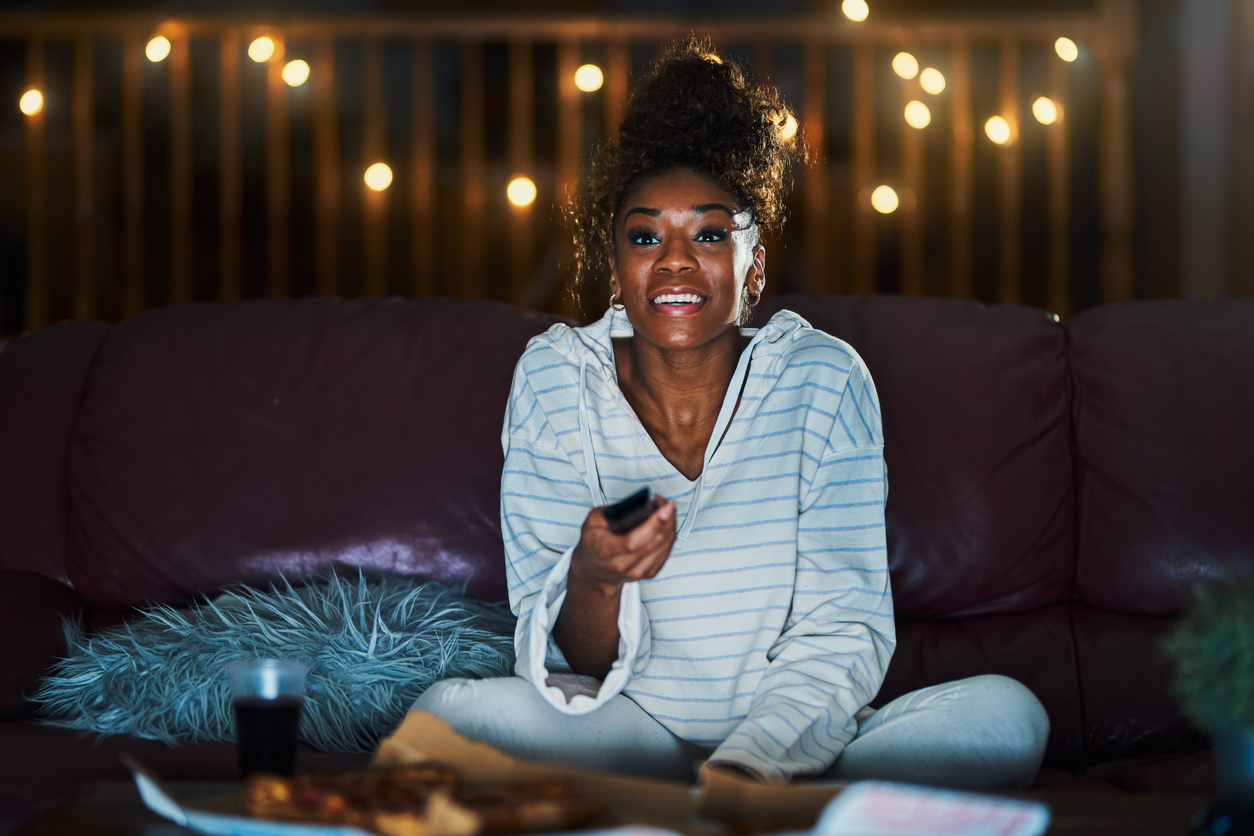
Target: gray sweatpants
pixel 986 732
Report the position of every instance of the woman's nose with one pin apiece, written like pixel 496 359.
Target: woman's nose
pixel 676 256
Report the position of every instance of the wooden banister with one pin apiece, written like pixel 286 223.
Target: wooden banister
pixel 833 198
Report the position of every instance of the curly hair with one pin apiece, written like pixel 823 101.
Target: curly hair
pixel 693 111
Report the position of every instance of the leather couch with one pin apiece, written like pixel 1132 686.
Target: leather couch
pixel 1054 492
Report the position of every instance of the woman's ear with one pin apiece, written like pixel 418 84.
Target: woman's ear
pixel 756 280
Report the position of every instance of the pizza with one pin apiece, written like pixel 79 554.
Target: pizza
pixel 422 800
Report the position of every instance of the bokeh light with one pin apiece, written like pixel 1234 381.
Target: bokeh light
pixel 1066 49
pixel 905 65
pixel 157 49
pixel 261 49
pixel 521 191
pixel 1045 111
pixel 295 73
pixel 379 176
pixel 932 81
pixel 589 78
pixel 32 102
pixel 788 130
pixel 917 115
pixel 884 199
pixel 855 10
pixel 998 130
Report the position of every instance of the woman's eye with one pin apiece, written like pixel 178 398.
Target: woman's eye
pixel 711 234
pixel 643 237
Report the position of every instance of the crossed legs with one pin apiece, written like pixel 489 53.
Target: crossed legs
pixel 986 732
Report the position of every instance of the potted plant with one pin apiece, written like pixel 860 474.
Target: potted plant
pixel 1212 646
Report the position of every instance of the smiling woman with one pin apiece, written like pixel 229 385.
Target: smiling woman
pixel 747 622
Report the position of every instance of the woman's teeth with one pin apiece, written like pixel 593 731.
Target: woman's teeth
pixel 676 299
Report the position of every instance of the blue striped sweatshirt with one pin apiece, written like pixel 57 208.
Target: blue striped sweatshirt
pixel 771 623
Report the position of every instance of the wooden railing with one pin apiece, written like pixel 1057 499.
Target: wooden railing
pixel 838 227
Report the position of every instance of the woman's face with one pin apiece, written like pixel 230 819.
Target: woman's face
pixel 682 258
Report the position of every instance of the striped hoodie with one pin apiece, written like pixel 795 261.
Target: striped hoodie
pixel 771 623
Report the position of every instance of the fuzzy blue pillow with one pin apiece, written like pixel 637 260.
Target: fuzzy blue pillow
pixel 373 645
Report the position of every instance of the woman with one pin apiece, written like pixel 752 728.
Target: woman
pixel 748 622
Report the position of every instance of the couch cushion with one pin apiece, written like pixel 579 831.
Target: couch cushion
pixel 41 383
pixel 1164 428
pixel 1034 648
pixel 32 607
pixel 1125 681
pixel 975 403
pixel 224 443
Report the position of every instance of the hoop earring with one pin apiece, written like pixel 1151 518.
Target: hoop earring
pixel 618 307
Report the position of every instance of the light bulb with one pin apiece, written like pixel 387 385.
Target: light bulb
pixel 998 130
pixel 917 115
pixel 905 65
pixel 589 78
pixel 295 73
pixel 261 49
pixel 855 10
pixel 157 49
pixel 884 199
pixel 1045 111
pixel 521 191
pixel 788 130
pixel 932 81
pixel 379 176
pixel 1066 49
pixel 32 102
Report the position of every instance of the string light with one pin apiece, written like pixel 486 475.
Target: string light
pixel 932 81
pixel 884 199
pixel 917 115
pixel 295 73
pixel 788 130
pixel 589 78
pixel 855 10
pixel 32 102
pixel 998 130
pixel 261 49
pixel 1045 111
pixel 379 176
pixel 157 49
pixel 905 65
pixel 1066 49
pixel 521 191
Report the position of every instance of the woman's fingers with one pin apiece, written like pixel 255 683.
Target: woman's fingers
pixel 658 524
pixel 610 558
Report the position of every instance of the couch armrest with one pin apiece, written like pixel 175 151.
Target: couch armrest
pixel 32 607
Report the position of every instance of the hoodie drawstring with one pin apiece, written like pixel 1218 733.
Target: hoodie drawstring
pixel 585 434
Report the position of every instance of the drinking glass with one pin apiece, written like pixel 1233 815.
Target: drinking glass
pixel 267 694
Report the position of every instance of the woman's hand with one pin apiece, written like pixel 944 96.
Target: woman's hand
pixel 607 560
pixel 587 627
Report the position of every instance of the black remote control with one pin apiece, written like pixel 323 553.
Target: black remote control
pixel 625 515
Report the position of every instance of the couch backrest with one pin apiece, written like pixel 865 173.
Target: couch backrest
pixel 977 442
pixel 1164 428
pixel 224 443
pixel 42 379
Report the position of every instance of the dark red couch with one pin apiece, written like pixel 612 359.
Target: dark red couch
pixel 1054 492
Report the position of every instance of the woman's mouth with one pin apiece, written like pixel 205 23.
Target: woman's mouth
pixel 678 304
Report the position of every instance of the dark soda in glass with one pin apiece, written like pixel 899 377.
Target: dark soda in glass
pixel 267 734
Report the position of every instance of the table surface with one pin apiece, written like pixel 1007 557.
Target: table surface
pixel 114 808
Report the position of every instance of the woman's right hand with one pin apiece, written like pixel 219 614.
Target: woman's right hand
pixel 606 560
pixel 586 628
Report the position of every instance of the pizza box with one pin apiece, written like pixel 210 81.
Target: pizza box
pixel 723 803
